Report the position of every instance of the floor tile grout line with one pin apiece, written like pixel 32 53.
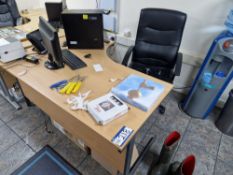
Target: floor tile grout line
pixel 9 147
pixel 84 159
pixel 148 130
pixel 27 134
pixel 186 129
pixel 182 138
pixel 216 160
pixel 78 147
pixel 15 110
pixel 31 133
pixel 7 124
pixel 163 130
pixel 1 120
pixel 21 138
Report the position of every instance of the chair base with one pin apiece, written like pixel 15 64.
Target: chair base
pixel 162 109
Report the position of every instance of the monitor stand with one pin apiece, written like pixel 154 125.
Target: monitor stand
pixel 51 64
pixel 57 25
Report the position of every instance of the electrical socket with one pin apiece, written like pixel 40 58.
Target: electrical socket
pixel 125 41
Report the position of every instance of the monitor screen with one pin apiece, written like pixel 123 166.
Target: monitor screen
pixel 54 10
pixel 51 43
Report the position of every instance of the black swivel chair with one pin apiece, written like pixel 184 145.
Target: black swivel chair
pixel 157 44
pixel 9 13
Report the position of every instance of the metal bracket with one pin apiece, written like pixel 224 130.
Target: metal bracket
pixel 6 94
pixel 128 170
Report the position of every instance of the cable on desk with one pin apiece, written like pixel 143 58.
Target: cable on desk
pixel 23 65
pixel 34 53
pixel 111 49
pixel 14 65
pixel 97 4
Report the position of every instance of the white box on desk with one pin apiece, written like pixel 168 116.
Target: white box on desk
pixel 11 49
pixel 107 108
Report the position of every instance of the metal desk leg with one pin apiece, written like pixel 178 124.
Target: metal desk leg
pixel 27 101
pixel 131 170
pixel 129 154
pixel 5 94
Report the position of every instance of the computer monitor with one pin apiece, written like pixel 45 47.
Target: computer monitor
pixel 51 42
pixel 54 10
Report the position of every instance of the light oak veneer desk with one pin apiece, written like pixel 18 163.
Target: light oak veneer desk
pixel 35 85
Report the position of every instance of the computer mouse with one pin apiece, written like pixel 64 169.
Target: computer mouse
pixel 87 56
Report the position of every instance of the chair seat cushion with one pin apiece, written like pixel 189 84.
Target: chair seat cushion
pixel 153 61
pixel 160 72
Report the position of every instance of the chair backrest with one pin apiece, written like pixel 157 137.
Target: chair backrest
pixel 13 9
pixel 159 36
pixel 6 18
pixel 9 13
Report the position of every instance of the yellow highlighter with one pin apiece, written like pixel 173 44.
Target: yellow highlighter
pixel 77 87
pixel 67 87
pixel 63 90
pixel 71 87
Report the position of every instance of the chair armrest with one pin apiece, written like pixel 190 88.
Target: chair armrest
pixel 179 62
pixel 125 61
pixel 19 21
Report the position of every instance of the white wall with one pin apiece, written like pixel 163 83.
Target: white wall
pixel 81 4
pixel 205 19
pixel 72 4
pixel 28 4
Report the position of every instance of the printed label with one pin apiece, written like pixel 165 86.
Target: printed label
pixel 121 137
pixel 85 17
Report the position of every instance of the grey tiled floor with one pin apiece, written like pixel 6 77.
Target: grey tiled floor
pixel 23 133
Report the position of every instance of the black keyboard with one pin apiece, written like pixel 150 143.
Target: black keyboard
pixel 72 60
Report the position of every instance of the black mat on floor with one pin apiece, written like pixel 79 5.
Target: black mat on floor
pixel 46 162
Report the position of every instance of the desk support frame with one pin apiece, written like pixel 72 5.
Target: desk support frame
pixel 27 101
pixel 130 170
pixel 6 94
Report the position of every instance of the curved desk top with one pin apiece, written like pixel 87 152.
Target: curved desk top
pixel 32 15
pixel 38 79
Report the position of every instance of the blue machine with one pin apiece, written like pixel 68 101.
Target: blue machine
pixel 212 79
